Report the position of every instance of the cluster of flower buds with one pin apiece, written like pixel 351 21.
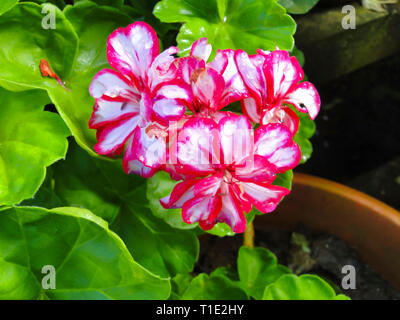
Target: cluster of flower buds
pixel 164 113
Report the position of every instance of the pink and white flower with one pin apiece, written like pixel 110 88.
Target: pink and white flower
pixel 135 104
pixel 234 167
pixel 226 166
pixel 215 84
pixel 274 81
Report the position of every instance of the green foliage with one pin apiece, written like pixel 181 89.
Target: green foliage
pixel 304 287
pixel 258 268
pixel 109 237
pixel 236 24
pixel 102 187
pixel 259 276
pixel 24 43
pixel 213 287
pixel 70 240
pixel 30 140
pixel 6 5
pixel 298 6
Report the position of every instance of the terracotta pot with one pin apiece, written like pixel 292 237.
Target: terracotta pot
pixel 369 225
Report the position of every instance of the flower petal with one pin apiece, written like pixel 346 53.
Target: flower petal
pixel 198 147
pixel 235 89
pixel 256 169
pixel 252 75
pixel 163 68
pixel 237 139
pixel 112 137
pixel 201 49
pixel 113 84
pixel 181 193
pixel 275 142
pixel 305 98
pixel 131 50
pixel 116 98
pixel 251 109
pixel 167 110
pixel 202 209
pixel 264 197
pixel 208 186
pixel 208 86
pixel 231 212
pixel 106 112
pixel 187 66
pixel 148 148
pixel 282 74
pixel 284 115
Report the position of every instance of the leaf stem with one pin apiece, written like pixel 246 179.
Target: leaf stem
pixel 248 236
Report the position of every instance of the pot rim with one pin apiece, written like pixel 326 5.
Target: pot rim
pixel 349 193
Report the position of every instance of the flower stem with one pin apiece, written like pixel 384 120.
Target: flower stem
pixel 248 236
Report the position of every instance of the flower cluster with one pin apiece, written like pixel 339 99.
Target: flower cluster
pixel 164 113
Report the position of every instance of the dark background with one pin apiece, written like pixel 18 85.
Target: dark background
pixel 357 141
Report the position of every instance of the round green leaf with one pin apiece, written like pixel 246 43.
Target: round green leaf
pixel 24 43
pixel 90 261
pixel 236 24
pixel 304 287
pixel 102 187
pixel 258 268
pixel 30 140
pixel 204 287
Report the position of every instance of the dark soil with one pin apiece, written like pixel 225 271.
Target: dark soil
pixel 302 251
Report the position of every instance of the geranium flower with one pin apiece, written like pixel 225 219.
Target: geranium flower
pixel 215 84
pixel 273 80
pixel 135 104
pixel 234 167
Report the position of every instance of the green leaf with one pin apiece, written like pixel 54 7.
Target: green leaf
pixel 304 287
pixel 24 43
pixel 258 268
pixel 46 196
pixel 179 284
pixel 58 3
pixel 91 262
pixel 236 24
pixel 102 187
pixel 6 5
pixel 30 140
pixel 204 287
pixel 227 272
pixel 305 132
pixel 284 179
pixel 298 6
pixel 112 3
pixel 299 55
